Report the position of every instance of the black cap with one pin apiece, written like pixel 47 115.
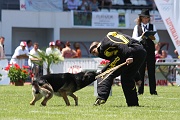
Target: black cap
pixel 145 13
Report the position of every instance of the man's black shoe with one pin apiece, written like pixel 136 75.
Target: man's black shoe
pixel 155 93
pixel 139 93
pixel 99 102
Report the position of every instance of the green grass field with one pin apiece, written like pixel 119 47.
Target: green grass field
pixel 14 105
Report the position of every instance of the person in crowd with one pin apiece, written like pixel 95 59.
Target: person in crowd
pixel 93 5
pixel 29 45
pixel 20 54
pixel 52 49
pixel 127 2
pixel 84 5
pixel 176 53
pixel 166 56
pixel 58 45
pixel 119 48
pixel 178 57
pixel 158 51
pixel 143 25
pixel 67 52
pixel 78 50
pixel 105 4
pixel 2 51
pixel 35 67
pixel 72 4
pixel 151 3
pixel 170 69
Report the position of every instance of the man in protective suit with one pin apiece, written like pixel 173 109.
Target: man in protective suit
pixel 119 48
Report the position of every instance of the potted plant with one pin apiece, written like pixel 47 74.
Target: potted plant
pixel 17 75
pixel 46 60
pixel 103 63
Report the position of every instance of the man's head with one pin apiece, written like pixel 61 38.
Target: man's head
pixel 58 44
pixel 93 48
pixel 2 40
pixel 51 44
pixel 29 43
pixel 68 44
pixel 144 16
pixel 36 46
pixel 76 45
pixel 23 44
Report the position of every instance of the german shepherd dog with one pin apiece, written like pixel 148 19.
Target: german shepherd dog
pixel 61 84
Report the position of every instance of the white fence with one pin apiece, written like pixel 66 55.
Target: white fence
pixel 69 65
pixel 76 65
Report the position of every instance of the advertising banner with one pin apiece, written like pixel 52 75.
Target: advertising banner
pixel 99 19
pixel 169 11
pixel 41 5
pixel 104 19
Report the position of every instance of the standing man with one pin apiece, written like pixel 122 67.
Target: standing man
pixel 29 45
pixel 52 49
pixel 143 25
pixel 20 54
pixel 35 68
pixel 2 52
pixel 119 48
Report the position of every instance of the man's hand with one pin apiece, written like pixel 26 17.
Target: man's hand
pixel 129 61
pixel 23 56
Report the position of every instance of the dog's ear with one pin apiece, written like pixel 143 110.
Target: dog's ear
pixel 89 74
pixel 85 77
pixel 41 82
pixel 34 82
pixel 97 73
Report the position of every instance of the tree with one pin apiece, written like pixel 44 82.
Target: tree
pixel 46 60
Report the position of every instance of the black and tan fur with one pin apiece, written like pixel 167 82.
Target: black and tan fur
pixel 62 84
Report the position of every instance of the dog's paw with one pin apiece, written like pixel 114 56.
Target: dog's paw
pixel 43 104
pixel 31 103
pixel 76 101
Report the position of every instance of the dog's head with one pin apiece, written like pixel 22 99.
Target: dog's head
pixel 88 78
pixel 35 86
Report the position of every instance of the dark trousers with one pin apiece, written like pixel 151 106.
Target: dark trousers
pixel 150 64
pixel 127 72
pixel 128 86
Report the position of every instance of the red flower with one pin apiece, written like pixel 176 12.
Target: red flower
pixel 25 67
pixel 32 75
pixel 17 66
pixel 15 73
pixel 7 68
pixel 104 62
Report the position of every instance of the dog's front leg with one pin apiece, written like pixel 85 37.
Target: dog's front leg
pixel 64 95
pixel 36 97
pixel 75 98
pixel 47 95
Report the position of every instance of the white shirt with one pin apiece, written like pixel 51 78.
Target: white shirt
pixel 73 5
pixel 34 53
pixel 2 53
pixel 169 58
pixel 29 48
pixel 18 51
pixel 135 33
pixel 49 50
